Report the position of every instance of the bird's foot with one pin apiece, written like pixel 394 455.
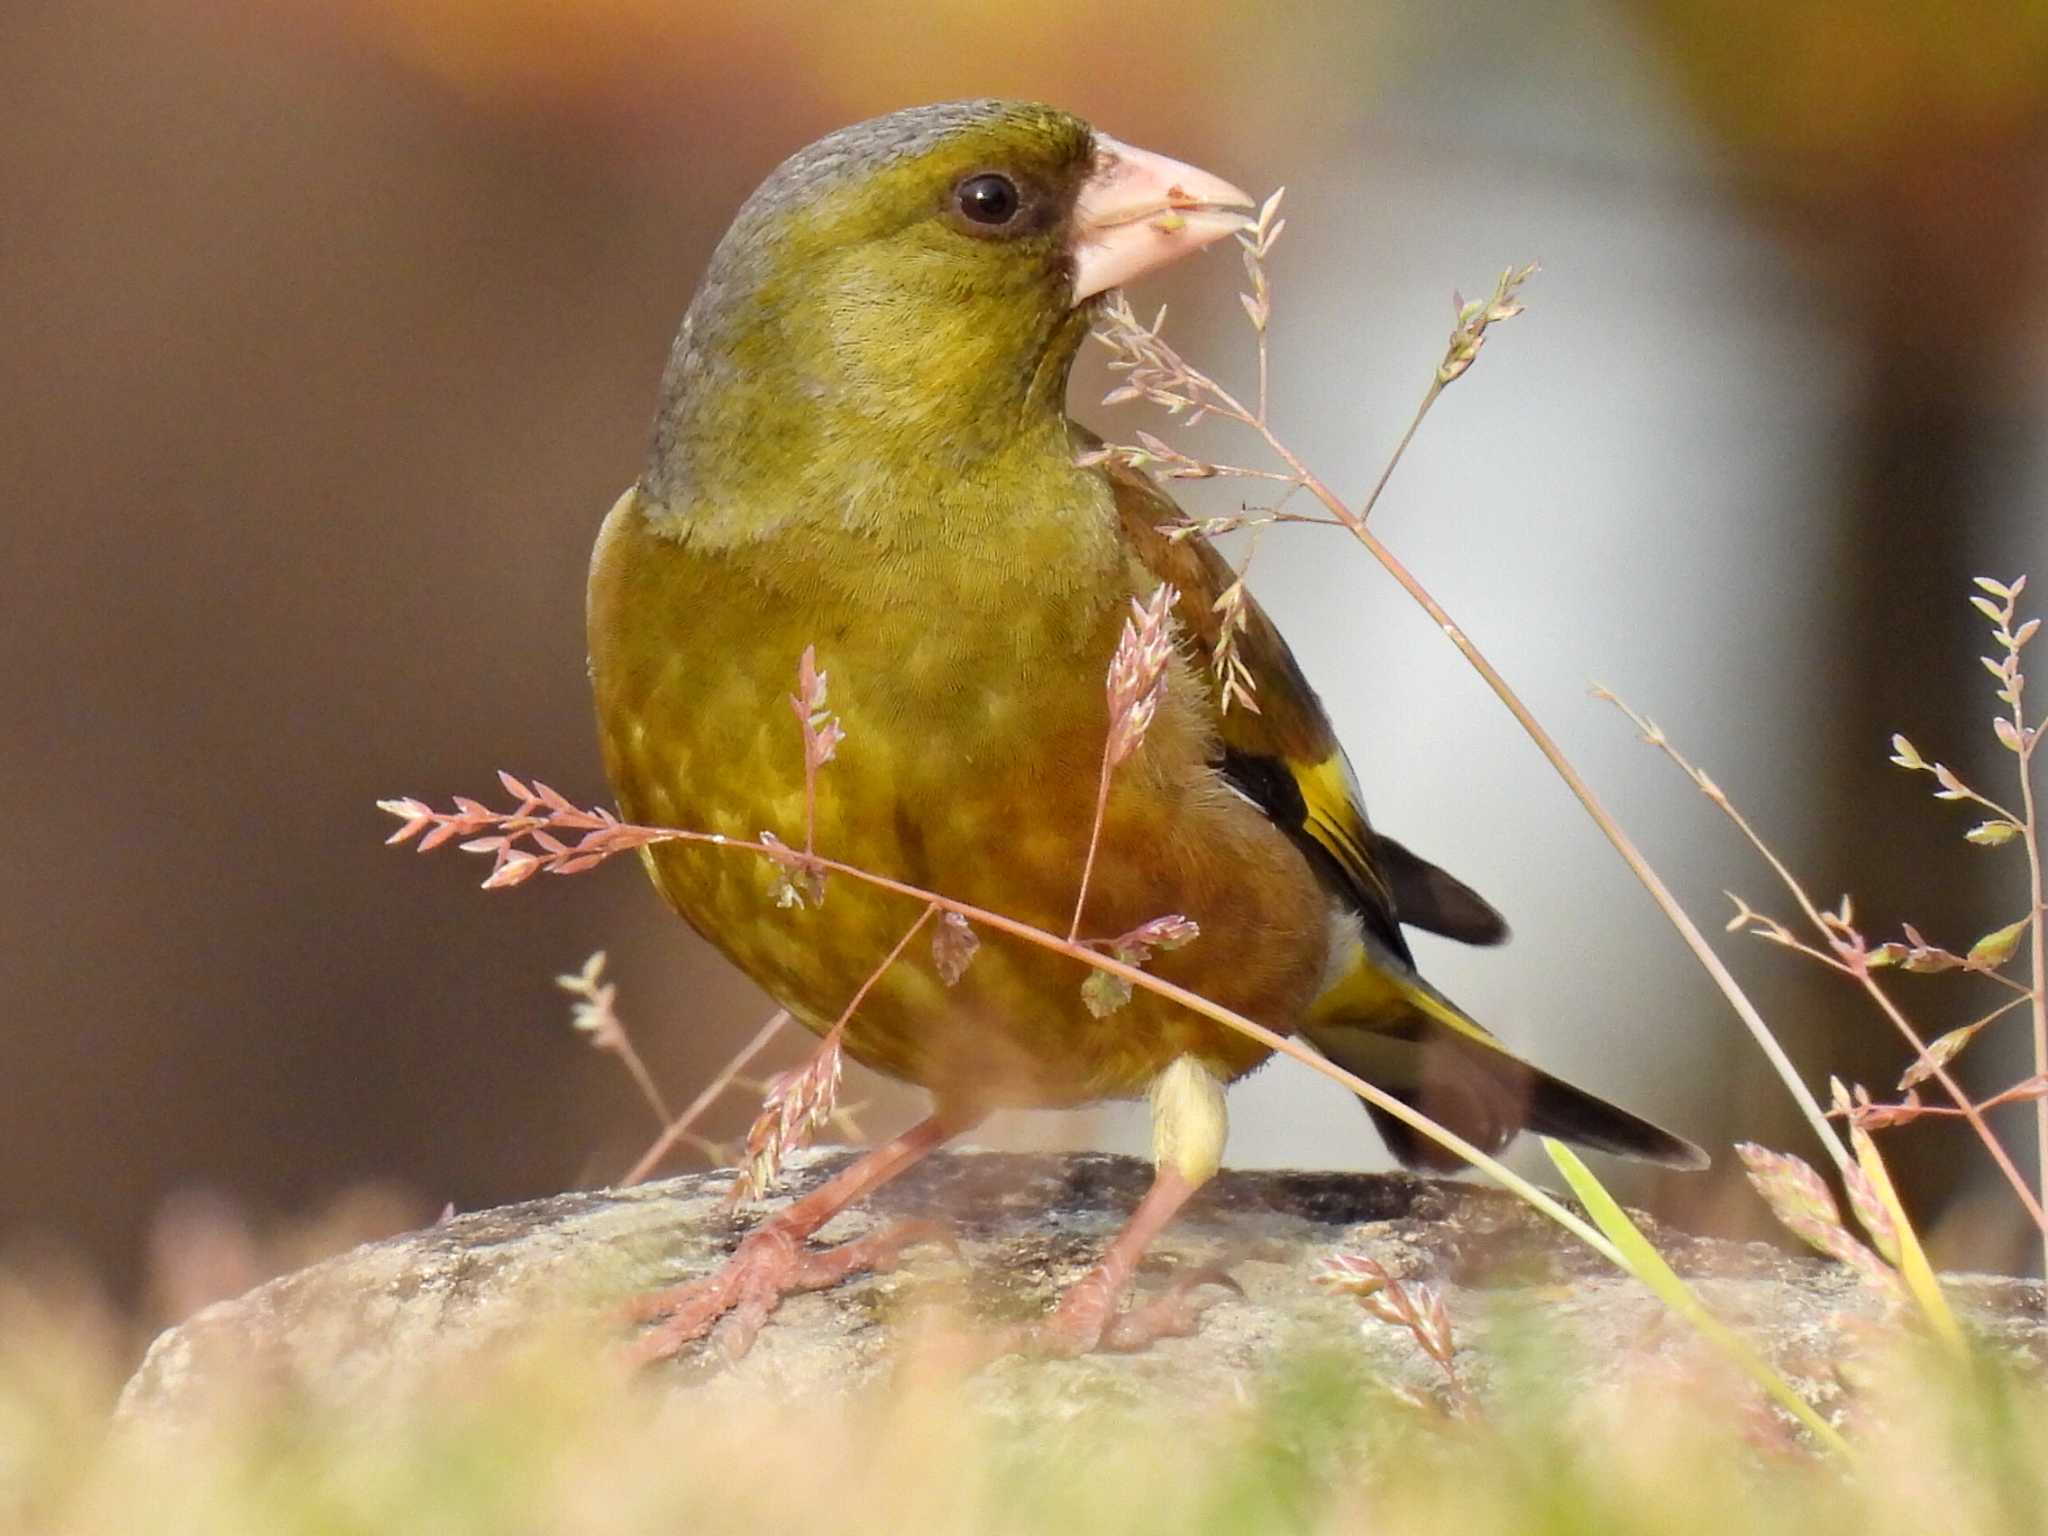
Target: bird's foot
pixel 1175 1315
pixel 1086 1320
pixel 770 1263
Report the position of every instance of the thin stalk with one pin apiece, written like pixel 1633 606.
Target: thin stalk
pixel 1094 842
pixel 1264 369
pixel 1429 398
pixel 810 804
pixel 680 1127
pixel 2038 955
pixel 644 1079
pixel 860 996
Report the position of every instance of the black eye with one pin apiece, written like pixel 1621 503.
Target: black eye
pixel 988 198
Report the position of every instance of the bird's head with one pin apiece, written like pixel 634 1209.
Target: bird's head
pixel 922 281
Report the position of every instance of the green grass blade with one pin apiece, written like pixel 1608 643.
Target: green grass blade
pixel 1913 1266
pixel 1644 1262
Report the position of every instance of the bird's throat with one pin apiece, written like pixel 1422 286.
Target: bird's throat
pixel 902 444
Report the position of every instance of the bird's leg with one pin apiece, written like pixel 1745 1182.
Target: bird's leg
pixel 1188 1129
pixel 772 1261
pixel 1086 1317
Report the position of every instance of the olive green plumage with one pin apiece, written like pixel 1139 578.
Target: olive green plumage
pixel 862 446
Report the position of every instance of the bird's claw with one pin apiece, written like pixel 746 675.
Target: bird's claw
pixel 1175 1315
pixel 1086 1320
pixel 732 1303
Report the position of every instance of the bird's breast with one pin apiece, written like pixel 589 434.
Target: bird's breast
pixel 969 767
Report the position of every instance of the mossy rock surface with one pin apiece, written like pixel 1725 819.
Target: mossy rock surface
pixel 374 1327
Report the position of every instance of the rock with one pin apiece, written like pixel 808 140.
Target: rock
pixel 375 1326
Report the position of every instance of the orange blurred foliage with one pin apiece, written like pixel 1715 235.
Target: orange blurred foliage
pixel 625 57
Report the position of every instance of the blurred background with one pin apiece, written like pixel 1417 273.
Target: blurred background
pixel 332 328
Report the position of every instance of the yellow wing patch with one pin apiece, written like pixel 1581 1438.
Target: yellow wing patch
pixel 1330 815
pixel 1380 998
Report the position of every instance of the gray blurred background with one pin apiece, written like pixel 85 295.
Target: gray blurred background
pixel 332 327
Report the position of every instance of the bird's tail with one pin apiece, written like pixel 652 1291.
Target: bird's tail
pixel 1402 1035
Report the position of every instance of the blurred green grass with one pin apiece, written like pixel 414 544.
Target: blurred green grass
pixel 555 1439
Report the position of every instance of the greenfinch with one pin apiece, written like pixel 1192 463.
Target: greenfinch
pixel 862 448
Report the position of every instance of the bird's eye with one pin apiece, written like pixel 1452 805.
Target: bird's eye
pixel 988 199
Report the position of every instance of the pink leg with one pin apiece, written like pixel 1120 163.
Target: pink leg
pixel 1087 1319
pixel 772 1262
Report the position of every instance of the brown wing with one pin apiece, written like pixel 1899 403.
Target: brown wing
pixel 1283 754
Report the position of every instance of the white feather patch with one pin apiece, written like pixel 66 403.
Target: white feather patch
pixel 1190 1121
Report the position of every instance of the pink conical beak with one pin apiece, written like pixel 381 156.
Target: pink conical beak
pixel 1138 211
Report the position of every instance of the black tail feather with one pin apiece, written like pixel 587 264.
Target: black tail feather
pixel 1571 1114
pixel 1482 1093
pixel 1436 900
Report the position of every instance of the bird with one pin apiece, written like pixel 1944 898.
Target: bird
pixel 862 449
